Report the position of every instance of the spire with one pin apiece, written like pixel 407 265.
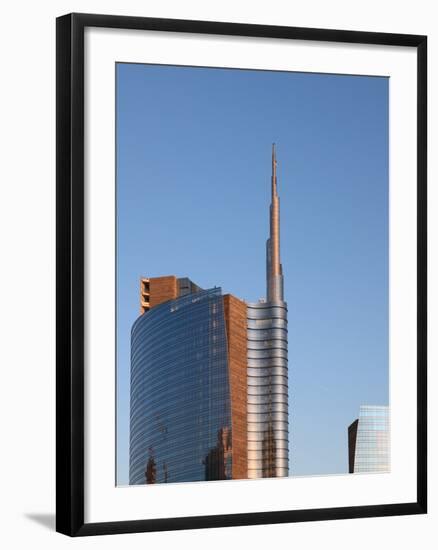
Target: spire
pixel 274 277
pixel 274 172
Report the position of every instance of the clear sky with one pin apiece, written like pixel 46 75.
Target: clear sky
pixel 193 193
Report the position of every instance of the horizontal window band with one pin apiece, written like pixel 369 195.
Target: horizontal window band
pixel 282 435
pixel 266 381
pixel 267 353
pixel 256 366
pixel 259 474
pixel 266 372
pixel 264 398
pixel 263 324
pixel 266 430
pixel 281 463
pixel 266 344
pixel 265 455
pixel 253 310
pixel 272 416
pixel 267 334
pixel 261 455
pixel 264 391
pixel 267 407
pixel 260 445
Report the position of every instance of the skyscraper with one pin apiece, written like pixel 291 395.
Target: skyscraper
pixel 209 382
pixel 368 440
pixel 188 369
pixel 268 427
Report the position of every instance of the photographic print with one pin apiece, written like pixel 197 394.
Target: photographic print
pixel 241 274
pixel 252 289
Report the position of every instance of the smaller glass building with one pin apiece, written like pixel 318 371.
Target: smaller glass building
pixel 368 440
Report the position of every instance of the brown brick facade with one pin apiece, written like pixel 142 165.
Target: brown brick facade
pixel 235 322
pixel 163 289
pixel 156 290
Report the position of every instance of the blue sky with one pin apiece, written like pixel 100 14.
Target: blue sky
pixel 193 193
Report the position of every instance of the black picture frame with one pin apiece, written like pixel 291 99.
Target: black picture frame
pixel 70 273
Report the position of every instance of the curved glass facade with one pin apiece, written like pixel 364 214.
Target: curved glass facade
pixel 180 424
pixel 267 376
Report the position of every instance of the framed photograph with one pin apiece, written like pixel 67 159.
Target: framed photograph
pixel 241 274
